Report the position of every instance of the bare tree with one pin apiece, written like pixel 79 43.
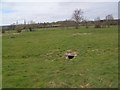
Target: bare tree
pixel 97 22
pixel 109 19
pixel 77 17
pixel 85 22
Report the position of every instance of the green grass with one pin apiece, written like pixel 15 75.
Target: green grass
pixel 36 59
pixel 0 61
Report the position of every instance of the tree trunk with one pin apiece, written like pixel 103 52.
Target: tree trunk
pixel 77 25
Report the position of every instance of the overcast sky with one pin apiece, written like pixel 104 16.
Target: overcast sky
pixel 51 10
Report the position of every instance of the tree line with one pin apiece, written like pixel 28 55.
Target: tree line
pixel 78 18
pixel 76 21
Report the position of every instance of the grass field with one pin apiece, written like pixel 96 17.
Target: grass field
pixel 36 59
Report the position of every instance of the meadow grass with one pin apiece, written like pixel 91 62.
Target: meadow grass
pixel 0 61
pixel 36 59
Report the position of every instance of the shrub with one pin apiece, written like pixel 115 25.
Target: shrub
pixel 19 30
pixel 98 26
pixel 3 31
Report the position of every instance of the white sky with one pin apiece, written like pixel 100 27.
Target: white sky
pixel 54 10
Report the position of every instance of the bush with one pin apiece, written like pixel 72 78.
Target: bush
pixel 97 26
pixel 30 29
pixel 3 31
pixel 19 30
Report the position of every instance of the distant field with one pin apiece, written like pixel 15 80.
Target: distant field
pixel 36 59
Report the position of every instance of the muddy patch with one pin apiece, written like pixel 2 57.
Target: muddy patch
pixel 77 34
pixel 15 33
pixel 71 54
